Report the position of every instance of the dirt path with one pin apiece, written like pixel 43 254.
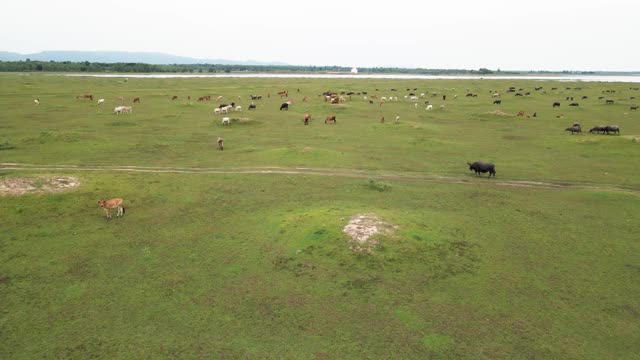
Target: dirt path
pixel 349 173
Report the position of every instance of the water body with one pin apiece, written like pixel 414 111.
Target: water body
pixel 597 78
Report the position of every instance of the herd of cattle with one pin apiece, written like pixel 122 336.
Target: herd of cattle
pixel 413 96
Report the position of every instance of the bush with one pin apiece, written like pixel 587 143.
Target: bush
pixel 7 146
pixel 378 185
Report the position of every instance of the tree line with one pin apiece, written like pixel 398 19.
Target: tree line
pixel 98 67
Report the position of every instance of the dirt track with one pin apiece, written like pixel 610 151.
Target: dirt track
pixel 349 173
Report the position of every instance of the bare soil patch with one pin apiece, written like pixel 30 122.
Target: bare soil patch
pixel 21 186
pixel 364 230
pixel 499 112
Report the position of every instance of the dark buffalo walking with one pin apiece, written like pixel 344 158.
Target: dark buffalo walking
pixel 483 167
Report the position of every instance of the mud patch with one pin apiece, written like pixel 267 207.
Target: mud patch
pixel 21 186
pixel 364 230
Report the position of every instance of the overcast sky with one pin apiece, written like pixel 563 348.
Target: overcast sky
pixel 462 34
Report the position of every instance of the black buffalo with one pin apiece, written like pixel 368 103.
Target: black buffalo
pixel 575 129
pixel 252 106
pixel 497 102
pixel 574 104
pixel 597 129
pixel 284 106
pixel 483 167
pixel 556 104
pixel 612 128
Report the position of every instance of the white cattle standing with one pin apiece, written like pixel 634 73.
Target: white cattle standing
pixel 429 107
pixel 37 101
pixel 100 101
pixel 226 121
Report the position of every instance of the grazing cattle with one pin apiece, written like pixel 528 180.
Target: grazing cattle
pixel 115 203
pixel 556 104
pixel 256 97
pixel 226 121
pixel 284 106
pixel 220 143
pixel 85 96
pixel 252 106
pixel 597 129
pixel 429 107
pixel 307 118
pixel 382 120
pixel 329 119
pixel 609 101
pixel 574 104
pixel 238 108
pixel 442 107
pixel 174 97
pixel 612 128
pixel 136 100
pixel 122 110
pixel 219 98
pixel 585 97
pixel 121 98
pixel 633 107
pixel 284 93
pixel 397 119
pixel 100 101
pixel 217 111
pixel 483 167
pixel 201 98
pixel 497 102
pixel 495 95
pixel 36 101
pixel 535 114
pixel 575 129
pixel 520 113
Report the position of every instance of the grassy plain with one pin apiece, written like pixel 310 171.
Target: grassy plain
pixel 256 265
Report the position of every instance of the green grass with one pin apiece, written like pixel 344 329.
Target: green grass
pixel 257 266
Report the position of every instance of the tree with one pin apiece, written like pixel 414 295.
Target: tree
pixel 485 71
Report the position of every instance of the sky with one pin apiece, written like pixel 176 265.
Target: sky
pixel 464 34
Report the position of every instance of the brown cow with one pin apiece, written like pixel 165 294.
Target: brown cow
pixel 85 96
pixel 329 119
pixel 520 113
pixel 136 100
pixel 220 143
pixel 307 118
pixel 115 203
pixel 174 97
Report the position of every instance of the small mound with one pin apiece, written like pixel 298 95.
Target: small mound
pixel 363 229
pixel 21 186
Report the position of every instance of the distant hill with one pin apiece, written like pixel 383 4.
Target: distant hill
pixel 155 58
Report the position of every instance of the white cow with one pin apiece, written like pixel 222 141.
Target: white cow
pixel 397 119
pixel 429 107
pixel 226 121
pixel 100 101
pixel 238 108
pixel 217 111
pixel 36 101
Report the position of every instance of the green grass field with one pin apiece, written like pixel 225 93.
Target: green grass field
pixel 216 258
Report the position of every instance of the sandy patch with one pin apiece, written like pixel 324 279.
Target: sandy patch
pixel 363 228
pixel 499 112
pixel 20 186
